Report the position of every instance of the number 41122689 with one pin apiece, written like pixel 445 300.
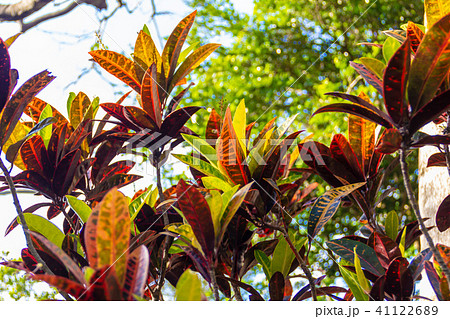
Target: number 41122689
pixel 407 310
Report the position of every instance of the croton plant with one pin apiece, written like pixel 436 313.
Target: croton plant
pixel 241 209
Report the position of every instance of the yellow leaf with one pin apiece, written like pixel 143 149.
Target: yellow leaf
pixel 434 11
pixel 364 283
pixel 239 124
pixel 107 233
pixel 20 131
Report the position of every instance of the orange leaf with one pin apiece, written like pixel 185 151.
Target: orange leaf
pixel 150 96
pixel 118 65
pixel 175 43
pixel 230 154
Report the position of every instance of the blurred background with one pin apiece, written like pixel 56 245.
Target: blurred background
pixel 280 55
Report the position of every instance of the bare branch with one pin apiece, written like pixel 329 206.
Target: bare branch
pixel 21 10
pixel 29 25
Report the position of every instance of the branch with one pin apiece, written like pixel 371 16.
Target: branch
pixel 416 210
pixel 29 25
pixel 24 224
pixel 21 10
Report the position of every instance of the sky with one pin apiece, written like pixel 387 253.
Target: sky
pixel 61 45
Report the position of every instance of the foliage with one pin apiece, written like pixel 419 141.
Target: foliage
pixel 243 208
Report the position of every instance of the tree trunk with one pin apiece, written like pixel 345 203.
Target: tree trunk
pixel 434 186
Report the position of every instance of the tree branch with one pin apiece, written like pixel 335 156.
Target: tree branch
pixel 21 10
pixel 416 210
pixel 29 25
pixel 24 224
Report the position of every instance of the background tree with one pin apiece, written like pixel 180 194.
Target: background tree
pixel 286 56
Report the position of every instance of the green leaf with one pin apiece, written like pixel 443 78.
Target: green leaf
pixel 284 127
pixel 215 206
pixel 282 258
pixel 345 248
pixel 44 227
pixel 191 62
pixel 363 282
pixel 374 65
pixel 80 105
pixel 81 208
pixel 187 51
pixel 46 131
pixel 145 29
pixel 262 258
pixel 70 99
pixel 189 287
pixel 136 205
pixel 202 147
pixel 200 165
pixel 212 182
pixel 390 45
pixel 325 207
pixel 231 207
pixel 352 282
pixel 391 225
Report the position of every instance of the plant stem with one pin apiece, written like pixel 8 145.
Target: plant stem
pixel 169 240
pixel 236 289
pixel 215 287
pixel 416 210
pixel 447 152
pixel 24 224
pixel 302 263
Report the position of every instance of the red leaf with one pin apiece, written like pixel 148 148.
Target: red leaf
pixel 434 279
pixel 175 43
pixel 17 103
pixel 33 153
pixel 370 77
pixel 429 111
pixel 435 140
pixel 389 142
pixel 437 159
pixel 117 111
pixel 197 213
pixel 120 167
pixel 377 291
pixel 415 35
pixel 118 180
pixel 175 121
pixel 136 273
pixel 150 97
pixel 65 171
pixel 56 144
pixel 399 282
pixel 369 113
pixel 5 77
pixel 276 287
pixel 385 248
pixel 342 151
pixel 394 83
pixel 230 153
pixel 139 118
pixel 213 127
pixel 35 181
pixel 443 215
pixel 71 287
